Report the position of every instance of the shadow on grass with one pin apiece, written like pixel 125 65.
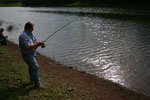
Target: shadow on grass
pixel 15 92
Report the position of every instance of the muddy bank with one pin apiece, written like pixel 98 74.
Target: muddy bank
pixel 82 84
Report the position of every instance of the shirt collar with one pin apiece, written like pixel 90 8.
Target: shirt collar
pixel 28 33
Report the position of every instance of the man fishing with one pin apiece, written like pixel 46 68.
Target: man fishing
pixel 28 45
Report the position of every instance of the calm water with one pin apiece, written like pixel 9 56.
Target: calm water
pixel 97 42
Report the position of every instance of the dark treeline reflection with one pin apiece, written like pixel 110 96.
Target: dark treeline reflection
pixel 78 2
pixel 53 2
pixel 9 1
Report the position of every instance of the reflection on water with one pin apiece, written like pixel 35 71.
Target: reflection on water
pixel 114 49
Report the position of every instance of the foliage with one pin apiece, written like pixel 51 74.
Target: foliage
pixel 62 2
pixel 9 1
pixel 54 2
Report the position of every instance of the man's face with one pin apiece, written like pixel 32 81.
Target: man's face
pixel 31 29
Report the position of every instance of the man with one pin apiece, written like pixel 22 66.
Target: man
pixel 3 38
pixel 28 45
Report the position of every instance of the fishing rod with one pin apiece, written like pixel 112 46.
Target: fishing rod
pixel 58 30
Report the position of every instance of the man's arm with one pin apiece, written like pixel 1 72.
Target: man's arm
pixel 36 45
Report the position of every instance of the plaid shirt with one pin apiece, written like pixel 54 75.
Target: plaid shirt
pixel 25 40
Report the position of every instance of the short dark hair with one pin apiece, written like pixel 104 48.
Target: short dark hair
pixel 28 25
pixel 1 30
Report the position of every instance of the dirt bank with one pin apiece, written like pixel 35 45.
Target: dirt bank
pixel 83 86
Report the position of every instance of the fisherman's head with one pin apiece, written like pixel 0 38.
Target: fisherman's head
pixel 29 27
pixel 1 30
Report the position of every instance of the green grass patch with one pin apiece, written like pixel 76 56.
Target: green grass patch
pixel 14 81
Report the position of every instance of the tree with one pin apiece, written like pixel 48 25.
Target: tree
pixel 54 2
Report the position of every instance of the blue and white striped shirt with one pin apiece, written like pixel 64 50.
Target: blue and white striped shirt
pixel 25 40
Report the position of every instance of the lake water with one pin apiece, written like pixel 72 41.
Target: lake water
pixel 110 43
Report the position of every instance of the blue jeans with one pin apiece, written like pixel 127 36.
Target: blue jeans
pixel 33 68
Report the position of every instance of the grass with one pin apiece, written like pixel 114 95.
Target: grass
pixel 14 81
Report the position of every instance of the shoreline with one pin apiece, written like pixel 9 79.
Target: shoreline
pixel 82 83
pixel 144 6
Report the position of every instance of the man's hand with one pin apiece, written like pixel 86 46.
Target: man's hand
pixel 41 43
pixel 34 46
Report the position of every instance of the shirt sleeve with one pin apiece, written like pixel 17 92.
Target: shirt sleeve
pixel 27 42
pixel 35 40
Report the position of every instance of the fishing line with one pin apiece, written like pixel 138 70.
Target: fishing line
pixel 58 30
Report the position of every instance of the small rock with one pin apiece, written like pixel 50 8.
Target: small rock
pixel 70 89
pixel 19 80
pixel 70 67
pixel 83 72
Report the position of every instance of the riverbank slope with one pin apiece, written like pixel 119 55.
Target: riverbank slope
pixel 61 82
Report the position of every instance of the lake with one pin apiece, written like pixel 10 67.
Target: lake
pixel 110 43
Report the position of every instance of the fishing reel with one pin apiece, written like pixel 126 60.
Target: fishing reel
pixel 43 46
